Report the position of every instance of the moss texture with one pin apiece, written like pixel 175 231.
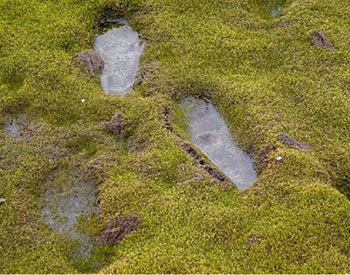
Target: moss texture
pixel 266 77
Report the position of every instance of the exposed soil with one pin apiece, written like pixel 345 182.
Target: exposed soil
pixel 320 39
pixel 290 141
pixel 117 124
pixel 116 230
pixel 255 239
pixel 91 60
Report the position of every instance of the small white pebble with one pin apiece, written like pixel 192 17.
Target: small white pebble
pixel 83 100
pixel 2 200
pixel 279 158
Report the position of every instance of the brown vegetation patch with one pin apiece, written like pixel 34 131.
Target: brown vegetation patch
pixel 255 239
pixel 117 229
pixel 117 124
pixel 290 141
pixel 91 60
pixel 320 39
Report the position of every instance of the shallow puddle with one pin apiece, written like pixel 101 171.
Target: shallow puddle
pixel 68 203
pixel 121 50
pixel 17 126
pixel 210 133
pixel 13 128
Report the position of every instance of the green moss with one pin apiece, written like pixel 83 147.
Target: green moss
pixel 265 76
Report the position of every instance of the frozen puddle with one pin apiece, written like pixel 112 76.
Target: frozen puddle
pixel 210 133
pixel 68 203
pixel 13 128
pixel 120 49
pixel 16 127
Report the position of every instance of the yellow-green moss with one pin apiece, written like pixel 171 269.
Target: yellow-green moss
pixel 265 76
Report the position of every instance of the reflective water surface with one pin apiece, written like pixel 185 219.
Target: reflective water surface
pixel 121 50
pixel 210 133
pixel 68 200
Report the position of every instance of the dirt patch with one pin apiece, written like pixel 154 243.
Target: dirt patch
pixel 255 239
pixel 117 229
pixel 320 39
pixel 116 125
pixel 91 60
pixel 290 141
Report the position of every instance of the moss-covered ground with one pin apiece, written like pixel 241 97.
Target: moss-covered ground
pixel 263 73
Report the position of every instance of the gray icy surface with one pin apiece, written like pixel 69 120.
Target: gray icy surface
pixel 210 133
pixel 67 200
pixel 120 49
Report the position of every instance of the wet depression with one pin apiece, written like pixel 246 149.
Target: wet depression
pixel 210 133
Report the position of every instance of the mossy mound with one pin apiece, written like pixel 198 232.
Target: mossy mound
pixel 266 77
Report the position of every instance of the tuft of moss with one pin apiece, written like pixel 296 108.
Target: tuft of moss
pixel 267 79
